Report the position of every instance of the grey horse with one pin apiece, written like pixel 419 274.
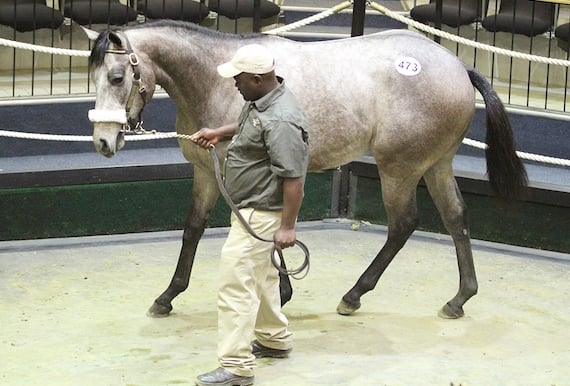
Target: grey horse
pixel 395 95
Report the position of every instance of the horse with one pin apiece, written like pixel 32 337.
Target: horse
pixel 396 95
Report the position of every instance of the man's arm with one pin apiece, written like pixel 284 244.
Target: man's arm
pixel 292 199
pixel 207 137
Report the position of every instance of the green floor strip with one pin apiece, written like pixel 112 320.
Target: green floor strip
pixel 81 210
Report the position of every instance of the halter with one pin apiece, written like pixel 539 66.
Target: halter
pixel 137 86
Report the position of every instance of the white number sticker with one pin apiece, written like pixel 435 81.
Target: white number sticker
pixel 408 66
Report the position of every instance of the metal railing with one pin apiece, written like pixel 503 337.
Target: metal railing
pixel 26 73
pixel 520 82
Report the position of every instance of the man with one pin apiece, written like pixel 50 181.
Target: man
pixel 264 174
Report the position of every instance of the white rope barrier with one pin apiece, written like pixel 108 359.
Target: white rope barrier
pixel 521 154
pixel 45 137
pixel 322 15
pixel 43 49
pixel 85 138
pixel 279 30
pixel 467 42
pixel 159 135
pixel 310 19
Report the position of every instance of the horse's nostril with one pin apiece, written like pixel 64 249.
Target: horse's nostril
pixel 103 145
pixel 105 149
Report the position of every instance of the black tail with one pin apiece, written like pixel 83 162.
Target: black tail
pixel 506 172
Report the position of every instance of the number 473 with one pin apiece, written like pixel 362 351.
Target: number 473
pixel 408 66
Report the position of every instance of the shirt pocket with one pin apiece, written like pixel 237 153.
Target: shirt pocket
pixel 253 130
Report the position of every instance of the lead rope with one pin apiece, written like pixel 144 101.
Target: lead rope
pixel 297 273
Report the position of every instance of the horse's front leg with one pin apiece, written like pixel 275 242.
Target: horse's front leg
pixel 204 196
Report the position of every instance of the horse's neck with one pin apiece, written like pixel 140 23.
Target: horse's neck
pixel 186 68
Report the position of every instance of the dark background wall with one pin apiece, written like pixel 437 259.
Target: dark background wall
pixel 157 198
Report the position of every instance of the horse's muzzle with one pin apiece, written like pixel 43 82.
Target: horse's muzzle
pixel 108 140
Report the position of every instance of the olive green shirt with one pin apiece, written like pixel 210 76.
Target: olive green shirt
pixel 271 143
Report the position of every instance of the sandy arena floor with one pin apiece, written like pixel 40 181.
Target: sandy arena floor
pixel 73 313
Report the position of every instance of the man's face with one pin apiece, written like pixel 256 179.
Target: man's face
pixel 249 86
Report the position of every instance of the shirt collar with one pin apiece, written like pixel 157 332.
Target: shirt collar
pixel 267 100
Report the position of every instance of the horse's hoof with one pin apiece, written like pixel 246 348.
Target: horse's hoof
pixel 159 310
pixel 449 312
pixel 344 308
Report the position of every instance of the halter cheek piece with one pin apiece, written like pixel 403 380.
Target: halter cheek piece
pixel 122 116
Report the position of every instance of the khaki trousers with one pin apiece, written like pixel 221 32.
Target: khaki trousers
pixel 249 301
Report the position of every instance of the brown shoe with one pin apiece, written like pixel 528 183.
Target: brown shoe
pixel 222 377
pixel 261 351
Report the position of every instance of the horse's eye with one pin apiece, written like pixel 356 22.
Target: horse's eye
pixel 117 79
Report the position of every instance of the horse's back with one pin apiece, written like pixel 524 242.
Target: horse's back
pixel 382 93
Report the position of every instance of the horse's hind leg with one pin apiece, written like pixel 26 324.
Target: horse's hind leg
pixel 400 203
pixel 449 202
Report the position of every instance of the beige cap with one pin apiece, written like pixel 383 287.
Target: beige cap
pixel 253 59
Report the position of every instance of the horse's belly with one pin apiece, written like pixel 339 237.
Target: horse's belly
pixel 332 148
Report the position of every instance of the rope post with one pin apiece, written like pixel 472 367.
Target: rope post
pixel 358 15
pixel 256 15
pixel 341 177
pixel 439 17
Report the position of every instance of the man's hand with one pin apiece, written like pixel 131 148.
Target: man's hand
pixel 284 238
pixel 207 138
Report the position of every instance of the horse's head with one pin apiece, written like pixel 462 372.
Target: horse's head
pixel 124 84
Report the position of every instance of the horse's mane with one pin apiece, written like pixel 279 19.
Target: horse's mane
pixel 102 42
pixel 193 27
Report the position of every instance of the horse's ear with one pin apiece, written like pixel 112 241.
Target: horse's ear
pixel 115 39
pixel 92 35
